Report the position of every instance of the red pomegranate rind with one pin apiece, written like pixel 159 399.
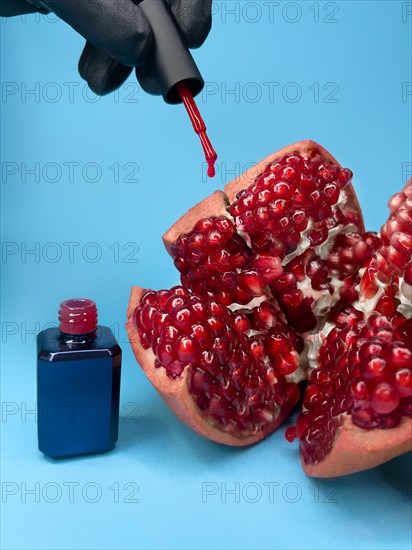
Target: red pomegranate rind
pixel 305 148
pixel 355 449
pixel 214 205
pixel 176 392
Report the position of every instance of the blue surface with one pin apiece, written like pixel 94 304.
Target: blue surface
pixel 163 486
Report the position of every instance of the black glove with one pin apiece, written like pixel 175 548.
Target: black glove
pixel 119 36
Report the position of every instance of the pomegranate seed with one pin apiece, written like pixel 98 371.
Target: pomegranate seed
pixel 182 317
pixel 185 349
pixel 328 172
pixel 318 236
pixel 169 333
pixel 147 314
pixel 384 398
pixel 165 353
pixel 149 298
pixel 213 240
pixel 203 336
pixel 175 369
pixel 290 434
pixel 344 178
pixel 241 323
pixel 204 225
pixel 251 282
pixel 359 389
pixel 201 380
pixel 332 193
pixel 403 382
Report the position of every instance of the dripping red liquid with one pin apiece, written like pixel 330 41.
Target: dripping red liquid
pixel 199 126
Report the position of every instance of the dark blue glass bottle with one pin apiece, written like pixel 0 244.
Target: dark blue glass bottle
pixel 78 383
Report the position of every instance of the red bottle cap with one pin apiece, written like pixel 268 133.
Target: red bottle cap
pixel 78 316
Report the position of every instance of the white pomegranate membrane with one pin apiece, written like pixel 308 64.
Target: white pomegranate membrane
pixel 288 259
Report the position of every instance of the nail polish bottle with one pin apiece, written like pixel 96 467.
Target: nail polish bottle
pixel 78 383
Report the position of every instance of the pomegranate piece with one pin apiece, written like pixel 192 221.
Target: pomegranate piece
pixel 357 409
pixel 285 220
pixel 363 384
pixel 226 383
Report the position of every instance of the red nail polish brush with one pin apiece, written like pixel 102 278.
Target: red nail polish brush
pixel 174 69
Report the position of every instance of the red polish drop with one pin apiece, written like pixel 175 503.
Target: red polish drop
pixel 199 126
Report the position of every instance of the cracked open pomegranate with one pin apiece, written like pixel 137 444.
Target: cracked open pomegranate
pixel 282 287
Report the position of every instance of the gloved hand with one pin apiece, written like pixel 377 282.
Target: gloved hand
pixel 118 36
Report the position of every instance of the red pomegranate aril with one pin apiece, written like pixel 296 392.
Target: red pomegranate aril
pixel 213 240
pixel 169 333
pixel 290 434
pixel 328 172
pixel 204 225
pixel 150 298
pixel 269 267
pixel 251 282
pixel 228 280
pixel 288 363
pixel 277 207
pixel 278 344
pixel 403 382
pixel 165 353
pixel 402 242
pixel 300 219
pixel 318 236
pixel 182 317
pixel 215 324
pixel 222 348
pixel 263 197
pixel 175 369
pixel 285 282
pixel 292 299
pixel 384 398
pixel 400 357
pixel 386 305
pixel 199 310
pixel 359 389
pixel 365 418
pixel 160 319
pixel 196 241
pixel 146 316
pixel 265 316
pixel 185 349
pixel 332 193
pixel 262 216
pixel 201 380
pixel 173 301
pixel 344 178
pixel 408 274
pixel 307 183
pixel 282 190
pixel 203 336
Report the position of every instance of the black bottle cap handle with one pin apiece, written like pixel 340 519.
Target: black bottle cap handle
pixel 172 61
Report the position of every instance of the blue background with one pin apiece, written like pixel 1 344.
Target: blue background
pixel 364 57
